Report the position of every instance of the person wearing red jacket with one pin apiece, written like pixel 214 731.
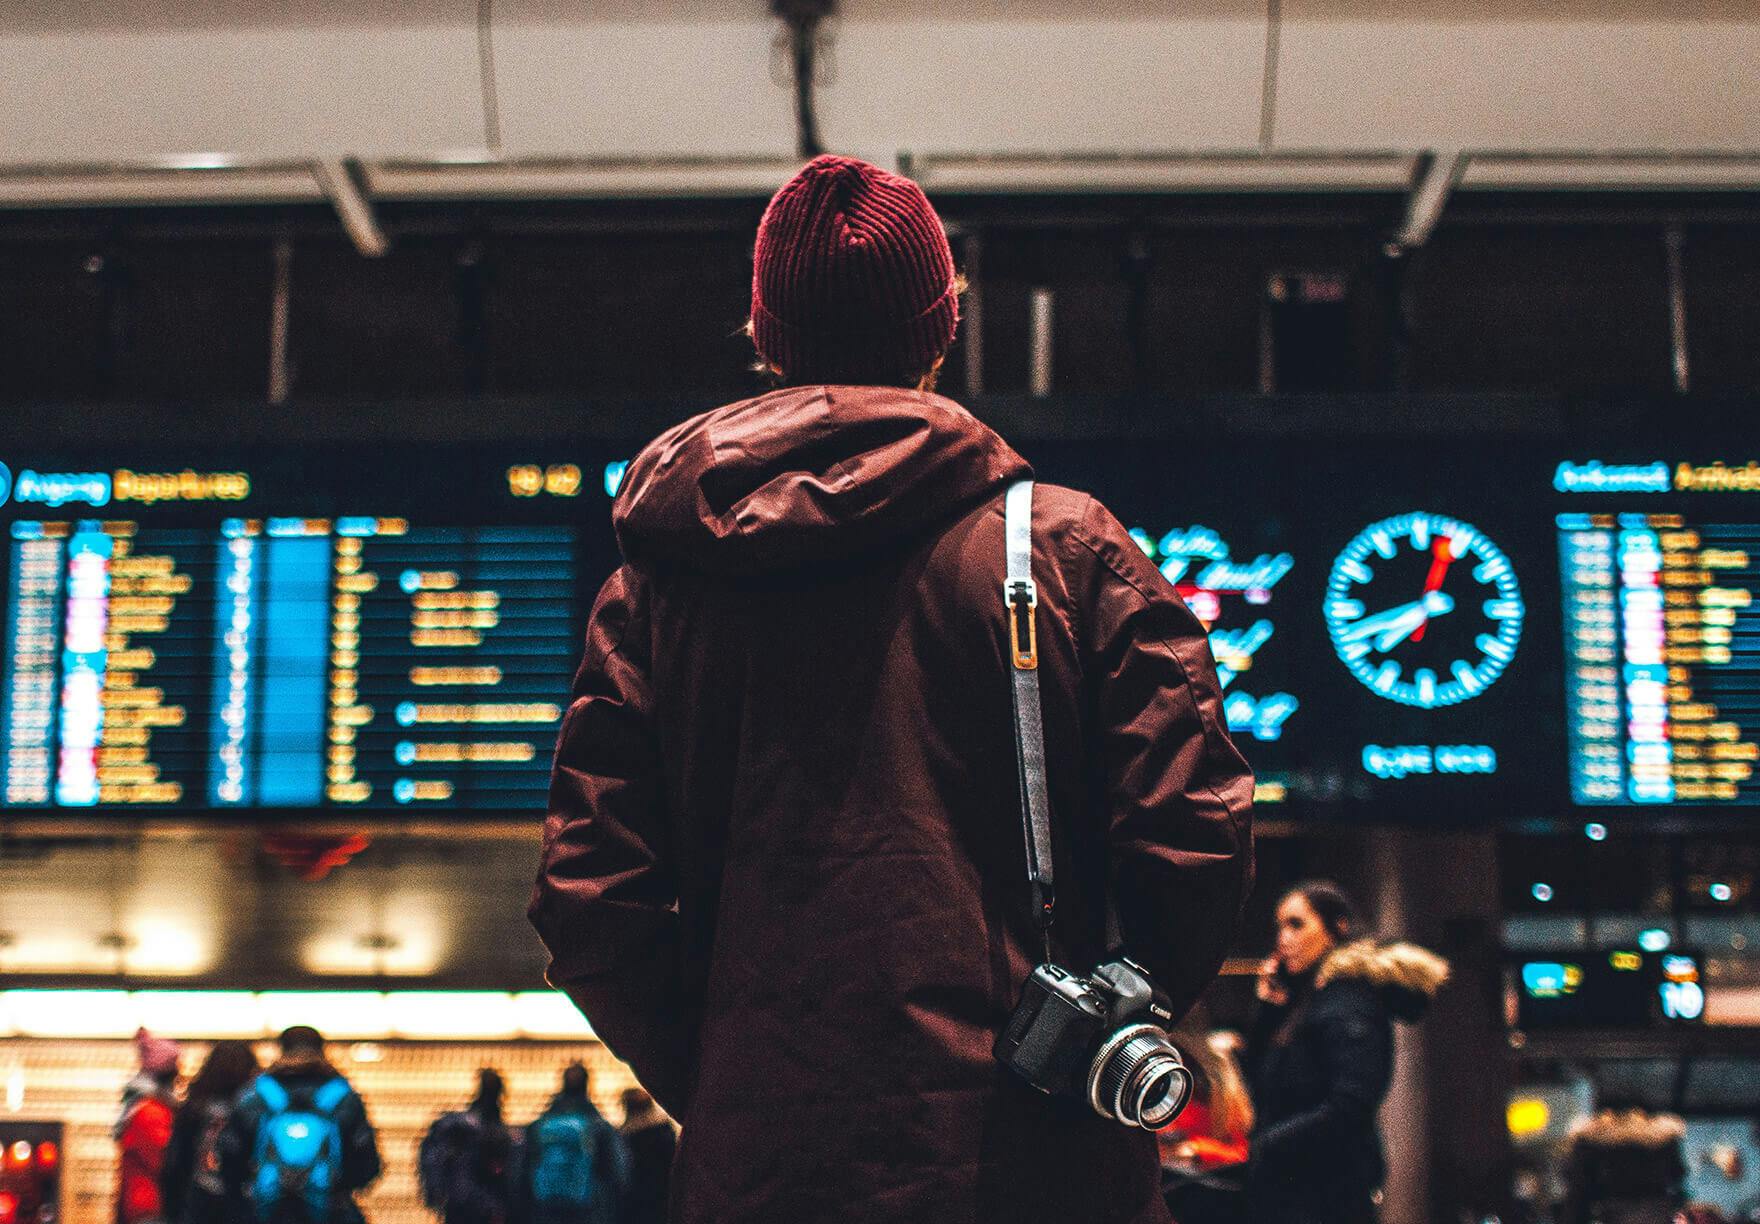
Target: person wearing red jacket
pixel 143 1130
pixel 783 870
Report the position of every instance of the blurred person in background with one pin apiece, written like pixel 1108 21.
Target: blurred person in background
pixel 1624 1165
pixel 299 1146
pixel 143 1130
pixel 193 1189
pixel 1320 1058
pixel 466 1163
pixel 783 870
pixel 648 1134
pixel 1204 1152
pixel 576 1164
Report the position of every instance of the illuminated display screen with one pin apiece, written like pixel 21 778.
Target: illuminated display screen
pixel 1465 634
pixel 222 640
pixel 1661 573
pixel 1617 989
pixel 1378 614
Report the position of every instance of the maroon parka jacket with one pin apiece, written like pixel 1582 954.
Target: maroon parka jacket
pixel 784 874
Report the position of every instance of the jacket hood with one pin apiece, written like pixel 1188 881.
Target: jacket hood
pixel 1629 1128
pixel 806 475
pixel 572 1102
pixel 136 1092
pixel 1406 975
pixel 303 1065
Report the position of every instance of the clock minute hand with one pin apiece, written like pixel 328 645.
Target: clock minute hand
pixel 1434 603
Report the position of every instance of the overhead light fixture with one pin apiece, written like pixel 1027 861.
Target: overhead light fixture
pixel 1707 171
pixel 1172 172
pixel 341 1015
pixel 194 180
pixel 577 178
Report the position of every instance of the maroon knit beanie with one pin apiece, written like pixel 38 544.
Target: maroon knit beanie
pixel 853 280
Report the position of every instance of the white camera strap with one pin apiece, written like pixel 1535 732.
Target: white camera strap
pixel 1020 599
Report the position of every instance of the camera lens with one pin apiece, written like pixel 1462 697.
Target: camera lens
pixel 1139 1079
pixel 1163 1086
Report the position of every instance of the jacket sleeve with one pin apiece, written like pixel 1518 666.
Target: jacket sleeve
pixel 1179 794
pixel 606 901
pixel 237 1147
pixel 360 1144
pixel 1260 1034
pixel 1354 1041
pixel 146 1137
pixel 179 1168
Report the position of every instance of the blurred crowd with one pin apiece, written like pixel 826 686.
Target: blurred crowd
pixel 1282 1126
pixel 292 1144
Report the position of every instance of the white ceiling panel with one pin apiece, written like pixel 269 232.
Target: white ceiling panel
pixel 649 88
pixel 250 91
pixel 1518 79
pixel 1082 84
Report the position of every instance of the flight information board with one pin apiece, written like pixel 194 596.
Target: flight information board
pixel 1662 633
pixel 1482 633
pixel 180 654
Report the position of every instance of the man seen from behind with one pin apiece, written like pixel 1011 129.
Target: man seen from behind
pixel 783 872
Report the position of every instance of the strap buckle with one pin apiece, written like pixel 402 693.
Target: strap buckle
pixel 1022 596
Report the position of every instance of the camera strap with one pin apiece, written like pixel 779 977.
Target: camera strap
pixel 1020 597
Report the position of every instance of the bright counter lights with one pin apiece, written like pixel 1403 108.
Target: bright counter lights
pixel 354 1015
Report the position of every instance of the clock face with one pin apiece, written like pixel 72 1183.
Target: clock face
pixel 1424 610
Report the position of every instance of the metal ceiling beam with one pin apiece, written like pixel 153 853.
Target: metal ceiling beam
pixel 341 181
pixel 1434 179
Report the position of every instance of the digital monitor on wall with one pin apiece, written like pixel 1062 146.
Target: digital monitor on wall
pixel 1379 614
pixel 320 631
pixel 1660 565
pixel 1425 631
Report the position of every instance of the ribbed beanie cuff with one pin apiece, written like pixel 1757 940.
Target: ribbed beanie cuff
pixel 853 279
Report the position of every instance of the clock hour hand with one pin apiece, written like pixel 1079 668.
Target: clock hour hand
pixel 1393 626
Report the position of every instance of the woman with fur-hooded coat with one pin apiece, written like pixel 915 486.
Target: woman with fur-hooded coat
pixel 1625 1166
pixel 1321 1058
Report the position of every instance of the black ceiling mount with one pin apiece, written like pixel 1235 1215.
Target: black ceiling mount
pixel 803 45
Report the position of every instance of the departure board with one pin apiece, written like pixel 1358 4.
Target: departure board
pixel 1497 633
pixel 1662 644
pixel 180 654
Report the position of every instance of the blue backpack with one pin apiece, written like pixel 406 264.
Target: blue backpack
pixel 299 1151
pixel 563 1172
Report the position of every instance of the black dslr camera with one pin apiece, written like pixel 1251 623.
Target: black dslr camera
pixel 1101 1039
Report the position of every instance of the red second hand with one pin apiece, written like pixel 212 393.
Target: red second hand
pixel 1441 557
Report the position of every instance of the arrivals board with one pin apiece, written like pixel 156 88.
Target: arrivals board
pixel 1661 576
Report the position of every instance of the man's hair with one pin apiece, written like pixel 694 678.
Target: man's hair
pixel 490 1089
pixel 575 1079
pixel 302 1039
pixel 917 380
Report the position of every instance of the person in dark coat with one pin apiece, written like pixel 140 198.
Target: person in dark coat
pixel 190 1184
pixel 302 1073
pixel 577 1167
pixel 1320 1057
pixel 784 872
pixel 651 1141
pixel 1624 1166
pixel 466 1160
